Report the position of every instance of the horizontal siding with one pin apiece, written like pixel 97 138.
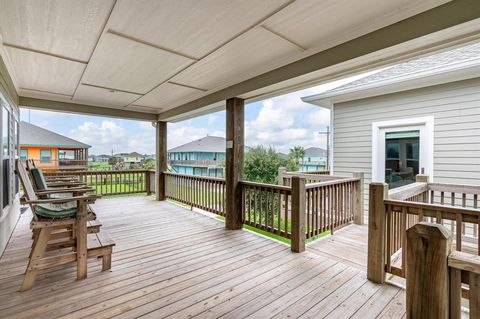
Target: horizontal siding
pixel 456 109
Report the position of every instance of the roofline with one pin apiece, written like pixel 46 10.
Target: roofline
pixel 442 75
pixel 56 145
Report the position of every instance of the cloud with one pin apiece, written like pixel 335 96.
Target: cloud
pixel 104 136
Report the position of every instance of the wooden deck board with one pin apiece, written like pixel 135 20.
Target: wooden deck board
pixel 170 261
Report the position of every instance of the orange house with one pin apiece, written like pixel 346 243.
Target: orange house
pixel 51 150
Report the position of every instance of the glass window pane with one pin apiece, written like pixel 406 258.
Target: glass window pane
pixel 5 132
pixel 24 154
pixel 45 156
pixel 402 155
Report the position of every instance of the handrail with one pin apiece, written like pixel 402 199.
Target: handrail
pixel 332 182
pixel 196 177
pixel 464 261
pixel 455 188
pixel 269 186
pixel 408 191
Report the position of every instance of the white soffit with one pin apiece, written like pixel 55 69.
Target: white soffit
pixel 169 95
pixel 122 64
pixel 253 53
pixel 99 96
pixel 45 73
pixel 68 28
pixel 193 28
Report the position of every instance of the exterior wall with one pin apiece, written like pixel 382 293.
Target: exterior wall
pixel 34 153
pixel 10 214
pixel 456 111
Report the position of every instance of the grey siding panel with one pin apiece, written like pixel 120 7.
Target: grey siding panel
pixel 456 109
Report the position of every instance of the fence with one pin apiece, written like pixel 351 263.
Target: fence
pixel 114 182
pixel 392 213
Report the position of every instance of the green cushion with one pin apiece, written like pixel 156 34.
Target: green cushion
pixel 61 210
pixel 39 179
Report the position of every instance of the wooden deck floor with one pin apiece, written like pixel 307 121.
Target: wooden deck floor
pixel 171 262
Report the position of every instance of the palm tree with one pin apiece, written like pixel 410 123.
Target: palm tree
pixel 297 153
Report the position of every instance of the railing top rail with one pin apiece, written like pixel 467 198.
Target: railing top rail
pixel 407 191
pixel 332 182
pixel 270 186
pixel 464 261
pixel 435 207
pixel 96 172
pixel 196 177
pixel 312 176
pixel 454 188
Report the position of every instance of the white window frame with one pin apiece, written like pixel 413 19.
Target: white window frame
pixel 423 124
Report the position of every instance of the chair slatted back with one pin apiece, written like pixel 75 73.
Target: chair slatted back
pixel 30 164
pixel 25 180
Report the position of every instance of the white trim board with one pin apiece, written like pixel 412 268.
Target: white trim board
pixel 423 124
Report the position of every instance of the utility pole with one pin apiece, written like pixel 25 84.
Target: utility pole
pixel 327 133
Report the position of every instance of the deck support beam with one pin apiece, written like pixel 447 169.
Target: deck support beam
pixel 234 163
pixel 161 159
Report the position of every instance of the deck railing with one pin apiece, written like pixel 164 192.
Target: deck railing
pixel 207 193
pixel 312 208
pixel 392 213
pixel 118 182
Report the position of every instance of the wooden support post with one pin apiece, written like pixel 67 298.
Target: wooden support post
pixel 234 162
pixel 358 198
pixel 423 179
pixel 428 247
pixel 161 157
pixel 298 215
pixel 281 172
pixel 376 232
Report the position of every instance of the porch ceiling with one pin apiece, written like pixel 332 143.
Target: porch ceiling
pixel 175 57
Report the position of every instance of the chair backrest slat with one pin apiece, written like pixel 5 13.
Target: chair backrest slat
pixel 25 180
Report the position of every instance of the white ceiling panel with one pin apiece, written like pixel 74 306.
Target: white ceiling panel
pixel 68 28
pixel 251 54
pixel 193 28
pixel 127 65
pixel 169 95
pixel 45 73
pixel 314 24
pixel 99 96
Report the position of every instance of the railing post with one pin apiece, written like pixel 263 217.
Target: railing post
pixel 161 159
pixel 378 192
pixel 423 179
pixel 358 198
pixel 298 214
pixel 281 171
pixel 428 248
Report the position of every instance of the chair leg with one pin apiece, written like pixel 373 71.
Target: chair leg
pixel 107 260
pixel 37 253
pixel 35 233
pixel 81 233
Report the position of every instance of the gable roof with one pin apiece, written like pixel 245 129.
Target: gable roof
pixel 32 135
pixel 315 151
pixel 133 154
pixel 442 67
pixel 214 144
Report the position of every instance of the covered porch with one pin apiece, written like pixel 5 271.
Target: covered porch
pixel 170 261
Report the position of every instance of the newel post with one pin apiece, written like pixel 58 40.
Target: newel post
pixel 378 192
pixel 298 214
pixel 358 198
pixel 281 173
pixel 428 247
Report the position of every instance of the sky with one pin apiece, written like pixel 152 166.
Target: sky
pixel 281 122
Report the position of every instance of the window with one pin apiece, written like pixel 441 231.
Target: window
pixel 45 156
pixel 5 132
pixel 402 154
pixel 24 154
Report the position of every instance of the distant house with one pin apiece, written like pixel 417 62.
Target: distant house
pixel 103 158
pixel 51 150
pixel 204 156
pixel 131 159
pixel 315 159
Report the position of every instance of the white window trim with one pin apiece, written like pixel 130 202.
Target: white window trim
pixel 426 127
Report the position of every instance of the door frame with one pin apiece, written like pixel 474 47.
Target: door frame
pixel 423 124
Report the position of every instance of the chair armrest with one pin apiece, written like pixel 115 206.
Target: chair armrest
pixel 66 190
pixel 89 198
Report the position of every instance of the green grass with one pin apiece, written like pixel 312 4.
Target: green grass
pixel 98 166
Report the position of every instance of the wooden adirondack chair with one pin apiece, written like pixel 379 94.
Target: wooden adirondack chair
pixel 50 215
pixel 68 179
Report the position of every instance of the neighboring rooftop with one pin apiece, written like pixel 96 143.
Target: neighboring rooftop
pixel 315 152
pixel 446 62
pixel 32 135
pixel 214 144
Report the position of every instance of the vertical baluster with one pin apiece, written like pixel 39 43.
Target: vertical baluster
pixel 279 204
pixel 458 221
pixel 464 204
pixel 404 240
pixel 389 239
pixel 309 213
pixel 286 215
pixel 255 206
pixel 272 210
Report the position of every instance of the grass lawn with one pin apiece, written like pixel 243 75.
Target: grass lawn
pixel 99 166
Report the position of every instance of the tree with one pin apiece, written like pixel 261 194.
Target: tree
pixel 261 165
pixel 149 163
pixel 297 153
pixel 112 160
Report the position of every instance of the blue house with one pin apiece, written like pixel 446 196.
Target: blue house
pixel 315 159
pixel 205 156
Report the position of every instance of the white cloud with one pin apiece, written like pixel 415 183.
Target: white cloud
pixel 104 137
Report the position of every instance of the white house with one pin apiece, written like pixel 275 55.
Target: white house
pixel 420 116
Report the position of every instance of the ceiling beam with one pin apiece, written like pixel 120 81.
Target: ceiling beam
pixel 85 109
pixel 430 21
